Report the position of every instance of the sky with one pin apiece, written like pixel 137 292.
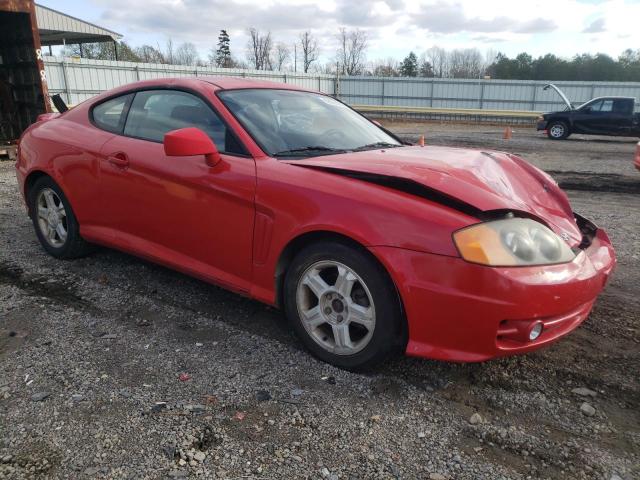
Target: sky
pixel 394 27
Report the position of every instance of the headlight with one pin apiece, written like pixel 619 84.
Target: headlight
pixel 511 242
pixel 540 118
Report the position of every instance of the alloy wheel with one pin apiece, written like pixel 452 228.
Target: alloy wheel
pixel 557 131
pixel 336 307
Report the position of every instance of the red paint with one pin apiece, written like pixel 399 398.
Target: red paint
pixel 636 161
pixel 228 221
pixel 188 142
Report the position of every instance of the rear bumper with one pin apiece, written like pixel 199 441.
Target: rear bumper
pixel 458 311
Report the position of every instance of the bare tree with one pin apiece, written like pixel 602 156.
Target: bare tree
pixel 149 54
pixel 388 67
pixel 438 59
pixel 282 55
pixel 352 51
pixel 186 54
pixel 465 63
pixel 169 56
pixel 489 57
pixel 310 50
pixel 259 50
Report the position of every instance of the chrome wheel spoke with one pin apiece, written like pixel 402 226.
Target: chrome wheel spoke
pixel 62 233
pixel 313 317
pixel 361 315
pixel 341 337
pixel 344 282
pixel 43 212
pixel 51 233
pixel 48 197
pixel 314 281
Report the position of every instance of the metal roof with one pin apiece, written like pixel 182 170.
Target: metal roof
pixel 57 28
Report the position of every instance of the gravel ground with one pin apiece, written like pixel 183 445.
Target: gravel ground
pixel 112 367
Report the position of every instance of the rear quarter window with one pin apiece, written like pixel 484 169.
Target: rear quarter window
pixel 110 115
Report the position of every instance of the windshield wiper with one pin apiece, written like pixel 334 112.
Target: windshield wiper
pixel 308 149
pixel 371 146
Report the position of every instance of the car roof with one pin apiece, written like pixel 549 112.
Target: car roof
pixel 611 97
pixel 218 83
pixel 232 83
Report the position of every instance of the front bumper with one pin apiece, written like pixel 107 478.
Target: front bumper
pixel 458 311
pixel 541 125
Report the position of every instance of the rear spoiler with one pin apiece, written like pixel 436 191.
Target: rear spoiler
pixel 59 103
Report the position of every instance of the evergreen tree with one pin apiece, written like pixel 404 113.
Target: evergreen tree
pixel 223 53
pixel 409 66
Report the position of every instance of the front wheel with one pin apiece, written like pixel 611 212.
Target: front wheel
pixel 558 131
pixel 343 306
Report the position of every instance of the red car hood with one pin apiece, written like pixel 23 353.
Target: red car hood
pixel 486 180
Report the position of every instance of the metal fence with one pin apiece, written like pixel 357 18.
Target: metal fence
pixel 79 79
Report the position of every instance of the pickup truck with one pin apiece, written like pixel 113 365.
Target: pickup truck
pixel 600 116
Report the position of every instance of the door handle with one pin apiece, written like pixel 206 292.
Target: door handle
pixel 119 159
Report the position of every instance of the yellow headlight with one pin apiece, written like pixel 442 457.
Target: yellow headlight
pixel 511 242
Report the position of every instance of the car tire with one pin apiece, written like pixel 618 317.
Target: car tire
pixel 558 130
pixel 54 221
pixel 343 306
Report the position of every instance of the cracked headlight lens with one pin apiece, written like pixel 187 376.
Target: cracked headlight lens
pixel 511 242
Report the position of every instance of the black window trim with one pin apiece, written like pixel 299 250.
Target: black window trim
pixel 127 108
pixel 123 115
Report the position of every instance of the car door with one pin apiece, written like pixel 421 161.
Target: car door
pixel 179 210
pixel 587 119
pixel 622 116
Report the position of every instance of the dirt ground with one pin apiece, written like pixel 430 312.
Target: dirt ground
pixel 112 367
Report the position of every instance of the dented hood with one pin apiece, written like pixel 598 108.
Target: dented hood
pixel 483 180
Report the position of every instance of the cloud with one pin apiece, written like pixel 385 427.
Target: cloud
pixel 445 17
pixel 488 39
pixel 395 4
pixel 360 14
pixel 198 18
pixel 596 26
pixel 537 25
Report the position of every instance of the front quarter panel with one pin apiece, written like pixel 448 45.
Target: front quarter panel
pixel 293 200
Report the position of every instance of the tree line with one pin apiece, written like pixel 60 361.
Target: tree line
pixel 263 52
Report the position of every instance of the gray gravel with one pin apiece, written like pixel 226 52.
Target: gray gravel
pixel 152 374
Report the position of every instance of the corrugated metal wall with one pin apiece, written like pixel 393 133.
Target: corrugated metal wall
pixel 79 79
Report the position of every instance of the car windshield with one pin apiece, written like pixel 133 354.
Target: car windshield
pixel 289 123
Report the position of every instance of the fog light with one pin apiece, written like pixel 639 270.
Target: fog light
pixel 535 331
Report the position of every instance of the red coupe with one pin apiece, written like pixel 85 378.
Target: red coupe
pixel 290 197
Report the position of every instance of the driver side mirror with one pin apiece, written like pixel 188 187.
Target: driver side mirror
pixel 190 141
pixel 586 110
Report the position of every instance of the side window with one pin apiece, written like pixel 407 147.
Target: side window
pixel 109 115
pixel 595 106
pixel 623 107
pixel 607 106
pixel 156 112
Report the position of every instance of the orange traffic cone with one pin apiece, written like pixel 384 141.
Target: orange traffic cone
pixel 421 141
pixel 507 133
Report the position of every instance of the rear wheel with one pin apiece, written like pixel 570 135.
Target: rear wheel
pixel 558 131
pixel 54 221
pixel 343 306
